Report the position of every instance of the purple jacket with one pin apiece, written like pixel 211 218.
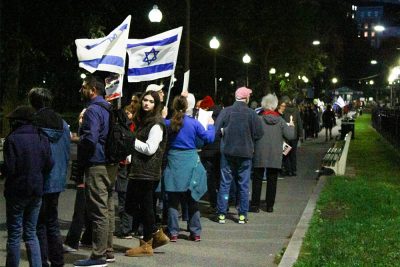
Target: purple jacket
pixel 27 158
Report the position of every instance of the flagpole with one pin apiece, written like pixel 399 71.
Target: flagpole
pixel 171 83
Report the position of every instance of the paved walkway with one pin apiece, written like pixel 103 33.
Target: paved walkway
pixel 254 244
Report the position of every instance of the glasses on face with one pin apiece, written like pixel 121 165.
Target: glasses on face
pixel 148 100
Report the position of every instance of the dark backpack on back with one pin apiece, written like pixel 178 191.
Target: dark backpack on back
pixel 120 141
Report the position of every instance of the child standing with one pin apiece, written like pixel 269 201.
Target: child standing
pixel 27 158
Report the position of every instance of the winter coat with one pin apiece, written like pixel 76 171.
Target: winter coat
pixel 292 110
pixel 239 127
pixel 268 149
pixel 60 140
pixel 27 159
pixel 328 119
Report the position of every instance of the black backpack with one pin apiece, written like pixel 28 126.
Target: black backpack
pixel 120 141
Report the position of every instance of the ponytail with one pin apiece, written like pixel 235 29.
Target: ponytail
pixel 179 106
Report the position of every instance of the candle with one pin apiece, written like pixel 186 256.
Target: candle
pixel 291 118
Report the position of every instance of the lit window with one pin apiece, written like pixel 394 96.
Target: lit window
pixel 372 34
pixel 365 34
pixel 366 26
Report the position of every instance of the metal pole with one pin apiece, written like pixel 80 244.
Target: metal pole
pixel 247 75
pixel 187 40
pixel 215 75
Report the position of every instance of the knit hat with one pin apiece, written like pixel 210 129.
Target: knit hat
pixel 24 113
pixel 207 102
pixel 154 87
pixel 242 93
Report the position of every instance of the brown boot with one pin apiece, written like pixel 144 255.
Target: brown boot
pixel 144 249
pixel 160 239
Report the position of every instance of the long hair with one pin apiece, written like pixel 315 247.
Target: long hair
pixel 142 117
pixel 179 105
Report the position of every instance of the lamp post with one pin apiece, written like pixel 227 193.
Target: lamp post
pixel 334 81
pixel 246 60
pixel 155 14
pixel 214 44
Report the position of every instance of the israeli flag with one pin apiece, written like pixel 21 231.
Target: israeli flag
pixel 107 53
pixel 154 57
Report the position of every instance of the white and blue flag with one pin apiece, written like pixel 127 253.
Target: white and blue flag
pixel 154 57
pixel 107 53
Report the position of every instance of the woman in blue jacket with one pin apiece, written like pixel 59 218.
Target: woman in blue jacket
pixel 185 177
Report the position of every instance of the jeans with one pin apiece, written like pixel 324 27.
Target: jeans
pixel 48 231
pixel 239 169
pixel 99 186
pixel 185 199
pixel 22 216
pixel 79 220
pixel 125 220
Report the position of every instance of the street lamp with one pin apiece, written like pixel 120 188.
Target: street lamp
pixel 334 81
pixel 374 62
pixel 316 42
pixel 272 71
pixel 379 28
pixel 246 60
pixel 155 14
pixel 214 44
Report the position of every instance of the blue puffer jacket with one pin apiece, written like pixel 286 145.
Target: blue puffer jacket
pixel 60 139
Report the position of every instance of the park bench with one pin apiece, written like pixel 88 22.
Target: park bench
pixel 336 156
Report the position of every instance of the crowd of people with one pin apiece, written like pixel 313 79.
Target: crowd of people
pixel 176 160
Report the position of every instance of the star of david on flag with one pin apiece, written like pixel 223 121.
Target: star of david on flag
pixel 153 57
pixel 107 53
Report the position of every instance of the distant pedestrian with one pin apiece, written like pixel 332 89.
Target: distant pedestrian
pixel 27 159
pixel 292 114
pixel 328 120
pixel 58 133
pixel 239 127
pixel 268 152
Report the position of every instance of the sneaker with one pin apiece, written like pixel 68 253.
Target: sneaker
pixel 110 256
pixel 173 238
pixel 91 263
pixel 242 219
pixel 221 218
pixel 68 249
pixel 195 238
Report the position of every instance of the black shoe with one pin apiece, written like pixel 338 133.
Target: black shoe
pixel 254 209
pixel 270 209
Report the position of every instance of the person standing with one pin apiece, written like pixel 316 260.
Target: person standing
pixel 328 120
pixel 57 131
pixel 99 174
pixel 268 152
pixel 185 178
pixel 240 128
pixel 292 114
pixel 146 162
pixel 27 159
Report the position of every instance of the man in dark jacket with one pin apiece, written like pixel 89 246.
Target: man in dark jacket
pixel 239 127
pixel 57 131
pixel 99 174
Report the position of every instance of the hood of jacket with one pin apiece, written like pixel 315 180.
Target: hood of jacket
pixel 52 134
pixel 271 119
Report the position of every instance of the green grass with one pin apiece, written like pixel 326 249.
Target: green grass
pixel 357 219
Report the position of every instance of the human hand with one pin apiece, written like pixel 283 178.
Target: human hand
pixel 164 112
pixel 211 121
pixel 185 93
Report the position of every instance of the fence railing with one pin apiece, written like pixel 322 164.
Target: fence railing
pixel 387 122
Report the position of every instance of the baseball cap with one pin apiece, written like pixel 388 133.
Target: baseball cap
pixel 154 87
pixel 242 93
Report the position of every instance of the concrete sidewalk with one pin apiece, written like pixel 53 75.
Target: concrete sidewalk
pixel 253 244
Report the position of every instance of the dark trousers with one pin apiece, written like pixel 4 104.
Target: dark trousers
pixel 272 178
pixel 139 203
pixel 79 221
pixel 290 160
pixel 48 231
pixel 212 166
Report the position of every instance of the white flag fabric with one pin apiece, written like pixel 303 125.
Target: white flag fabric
pixel 154 57
pixel 113 86
pixel 340 102
pixel 107 53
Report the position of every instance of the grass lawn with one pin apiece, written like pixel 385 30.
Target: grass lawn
pixel 357 219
